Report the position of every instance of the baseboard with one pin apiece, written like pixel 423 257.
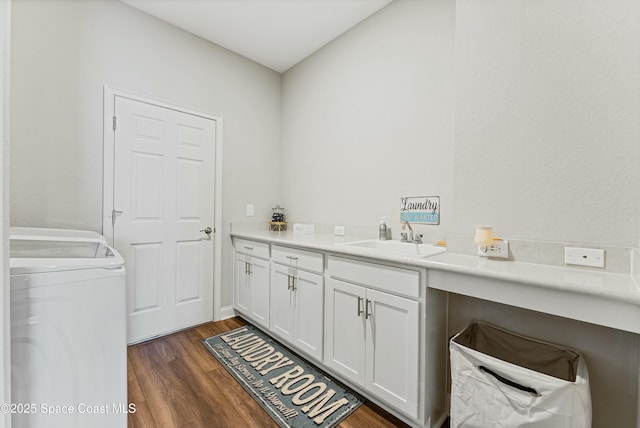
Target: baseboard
pixel 226 313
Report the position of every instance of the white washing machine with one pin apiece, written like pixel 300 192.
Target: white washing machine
pixel 68 331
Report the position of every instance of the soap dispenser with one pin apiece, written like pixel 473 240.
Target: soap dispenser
pixel 382 230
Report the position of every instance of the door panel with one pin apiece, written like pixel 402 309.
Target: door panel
pixel 164 186
pixel 392 350
pixel 241 285
pixel 144 267
pixel 188 269
pixel 146 196
pixel 309 313
pixel 282 302
pixel 188 191
pixel 147 128
pixel 259 279
pixel 345 330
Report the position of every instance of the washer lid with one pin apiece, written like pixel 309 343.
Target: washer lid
pixel 28 255
pixel 48 234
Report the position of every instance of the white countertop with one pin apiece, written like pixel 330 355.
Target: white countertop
pixel 615 286
pixel 604 284
pixel 605 287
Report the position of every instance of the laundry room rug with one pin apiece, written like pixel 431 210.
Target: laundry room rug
pixel 290 389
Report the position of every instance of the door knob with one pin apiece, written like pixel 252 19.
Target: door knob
pixel 207 230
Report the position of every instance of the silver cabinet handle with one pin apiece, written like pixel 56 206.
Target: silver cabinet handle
pixel 291 282
pixel 359 305
pixel 207 230
pixel 367 313
pixel 246 248
pixel 292 258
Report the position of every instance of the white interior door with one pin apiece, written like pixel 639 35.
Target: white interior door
pixel 164 188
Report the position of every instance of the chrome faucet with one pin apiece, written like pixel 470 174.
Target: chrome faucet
pixel 417 238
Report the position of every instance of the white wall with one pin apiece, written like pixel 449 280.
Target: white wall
pixel 64 51
pixel 546 140
pixel 547 147
pixel 369 118
pixel 547 134
pixel 5 320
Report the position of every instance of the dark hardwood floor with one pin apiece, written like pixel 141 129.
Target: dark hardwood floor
pixel 175 382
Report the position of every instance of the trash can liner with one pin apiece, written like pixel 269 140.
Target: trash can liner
pixel 519 350
pixel 502 379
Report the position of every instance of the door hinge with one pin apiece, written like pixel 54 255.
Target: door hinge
pixel 114 123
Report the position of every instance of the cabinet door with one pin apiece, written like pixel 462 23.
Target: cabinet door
pixel 345 329
pixel 282 302
pixel 242 290
pixel 259 279
pixel 309 313
pixel 392 350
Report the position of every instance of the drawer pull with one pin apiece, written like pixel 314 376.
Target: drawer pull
pixel 292 258
pixel 248 248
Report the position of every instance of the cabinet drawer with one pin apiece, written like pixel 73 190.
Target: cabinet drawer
pixel 301 259
pixel 403 282
pixel 252 248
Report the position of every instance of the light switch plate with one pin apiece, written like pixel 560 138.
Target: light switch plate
pixel 584 256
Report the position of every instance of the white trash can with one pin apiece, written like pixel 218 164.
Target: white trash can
pixel 502 379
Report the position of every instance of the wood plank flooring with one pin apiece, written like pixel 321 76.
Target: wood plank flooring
pixel 175 382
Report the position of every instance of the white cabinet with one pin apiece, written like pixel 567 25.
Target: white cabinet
pixel 392 349
pixel 372 336
pixel 297 308
pixel 375 326
pixel 345 338
pixel 251 280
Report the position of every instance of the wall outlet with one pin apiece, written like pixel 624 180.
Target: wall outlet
pixel 499 249
pixel 304 228
pixel 584 256
pixel 250 210
pixel 338 230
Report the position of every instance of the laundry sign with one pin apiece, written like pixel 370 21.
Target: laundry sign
pixel 420 209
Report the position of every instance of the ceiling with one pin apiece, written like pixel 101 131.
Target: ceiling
pixel 275 33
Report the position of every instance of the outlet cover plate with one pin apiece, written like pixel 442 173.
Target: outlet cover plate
pixel 584 256
pixel 250 210
pixel 338 230
pixel 499 249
